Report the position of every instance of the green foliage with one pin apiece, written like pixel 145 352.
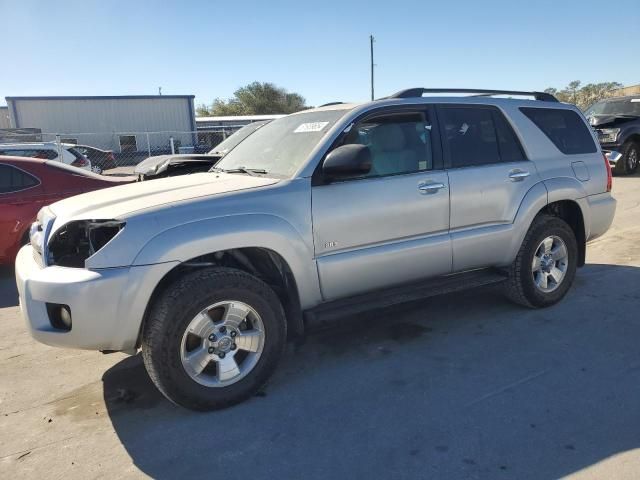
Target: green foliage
pixel 583 96
pixel 256 99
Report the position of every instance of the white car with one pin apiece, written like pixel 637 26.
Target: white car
pixel 67 153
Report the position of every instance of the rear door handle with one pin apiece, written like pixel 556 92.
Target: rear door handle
pixel 430 188
pixel 518 175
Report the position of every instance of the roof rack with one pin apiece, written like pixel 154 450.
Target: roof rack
pixel 330 103
pixel 418 92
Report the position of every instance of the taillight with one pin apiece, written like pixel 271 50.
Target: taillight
pixel 80 162
pixel 609 176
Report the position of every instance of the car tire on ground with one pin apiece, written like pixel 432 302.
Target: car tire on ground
pixel 213 338
pixel 628 164
pixel 545 266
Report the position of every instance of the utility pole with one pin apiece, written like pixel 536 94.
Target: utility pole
pixel 371 40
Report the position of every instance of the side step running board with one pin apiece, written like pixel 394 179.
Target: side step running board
pixel 328 313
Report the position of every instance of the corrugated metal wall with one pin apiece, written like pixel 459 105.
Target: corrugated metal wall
pixel 99 121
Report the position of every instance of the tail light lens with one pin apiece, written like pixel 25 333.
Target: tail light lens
pixel 609 176
pixel 80 162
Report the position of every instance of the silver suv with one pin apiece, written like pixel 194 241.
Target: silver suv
pixel 317 215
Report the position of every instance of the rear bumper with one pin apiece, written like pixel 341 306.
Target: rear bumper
pixel 602 208
pixel 107 305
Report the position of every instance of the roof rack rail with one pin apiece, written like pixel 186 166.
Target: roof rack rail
pixel 418 92
pixel 330 103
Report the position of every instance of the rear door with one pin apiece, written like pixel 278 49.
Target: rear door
pixel 20 199
pixel 489 175
pixel 390 226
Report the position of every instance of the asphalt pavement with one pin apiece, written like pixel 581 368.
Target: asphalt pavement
pixel 461 386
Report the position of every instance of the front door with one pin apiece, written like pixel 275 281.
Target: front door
pixel 391 225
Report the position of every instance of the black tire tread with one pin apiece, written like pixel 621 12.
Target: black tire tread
pixel 154 333
pixel 514 287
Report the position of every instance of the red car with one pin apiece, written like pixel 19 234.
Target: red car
pixel 28 184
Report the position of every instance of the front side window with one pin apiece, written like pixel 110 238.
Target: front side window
pixel 564 128
pixel 475 136
pixel 14 180
pixel 399 143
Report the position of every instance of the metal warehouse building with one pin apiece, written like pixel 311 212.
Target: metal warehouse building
pixel 134 123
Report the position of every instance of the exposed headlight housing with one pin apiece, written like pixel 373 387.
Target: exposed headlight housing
pixel 608 135
pixel 76 241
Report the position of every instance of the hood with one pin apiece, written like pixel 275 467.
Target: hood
pixel 118 202
pixel 160 163
pixel 603 121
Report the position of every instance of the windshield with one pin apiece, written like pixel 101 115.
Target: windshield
pixel 238 136
pixel 627 106
pixel 281 147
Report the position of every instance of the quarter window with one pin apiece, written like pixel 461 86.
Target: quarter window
pixel 399 143
pixel 44 154
pixel 564 128
pixel 14 180
pixel 478 136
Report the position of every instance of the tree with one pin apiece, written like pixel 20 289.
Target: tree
pixel 586 95
pixel 202 110
pixel 256 99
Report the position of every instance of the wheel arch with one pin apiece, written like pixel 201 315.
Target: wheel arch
pixel 561 197
pixel 265 246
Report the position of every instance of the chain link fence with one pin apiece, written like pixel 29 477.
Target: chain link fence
pixel 117 151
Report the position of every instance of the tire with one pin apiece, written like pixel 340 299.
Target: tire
pixel 628 164
pixel 166 342
pixel 522 286
pixel 96 169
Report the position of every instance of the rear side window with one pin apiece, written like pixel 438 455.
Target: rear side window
pixel 43 154
pixel 564 128
pixel 476 136
pixel 14 180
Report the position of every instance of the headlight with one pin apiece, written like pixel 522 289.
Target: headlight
pixel 608 135
pixel 76 241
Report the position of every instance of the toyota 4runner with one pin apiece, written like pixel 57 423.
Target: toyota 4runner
pixel 317 215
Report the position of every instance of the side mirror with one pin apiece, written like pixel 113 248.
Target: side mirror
pixel 347 161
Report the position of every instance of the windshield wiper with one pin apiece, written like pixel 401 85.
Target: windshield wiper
pixel 248 171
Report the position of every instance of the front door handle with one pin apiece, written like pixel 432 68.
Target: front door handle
pixel 430 188
pixel 518 175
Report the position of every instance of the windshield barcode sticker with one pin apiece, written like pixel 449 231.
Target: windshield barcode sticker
pixel 311 127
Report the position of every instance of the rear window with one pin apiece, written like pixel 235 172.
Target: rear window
pixel 564 128
pixel 14 180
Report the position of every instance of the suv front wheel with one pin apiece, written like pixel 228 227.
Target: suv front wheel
pixel 545 266
pixel 213 338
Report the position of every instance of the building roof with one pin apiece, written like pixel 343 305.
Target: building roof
pixel 104 97
pixel 237 118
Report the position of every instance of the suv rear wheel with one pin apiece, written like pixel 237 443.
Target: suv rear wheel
pixel 545 267
pixel 628 164
pixel 213 338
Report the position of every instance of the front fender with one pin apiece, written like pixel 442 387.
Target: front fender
pixel 191 240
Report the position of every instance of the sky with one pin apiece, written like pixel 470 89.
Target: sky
pixel 318 49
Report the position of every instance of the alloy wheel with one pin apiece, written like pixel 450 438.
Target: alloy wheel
pixel 222 344
pixel 550 264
